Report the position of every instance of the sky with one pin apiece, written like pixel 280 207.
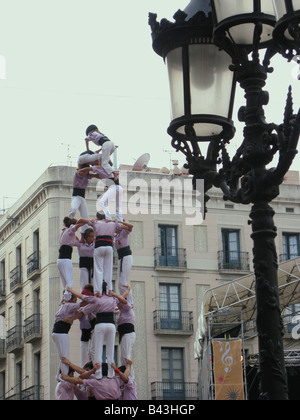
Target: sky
pixel 66 64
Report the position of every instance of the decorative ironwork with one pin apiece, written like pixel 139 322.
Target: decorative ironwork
pixel 172 257
pixel 181 391
pixel 245 178
pixel 173 321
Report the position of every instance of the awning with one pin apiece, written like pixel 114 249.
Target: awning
pixel 239 296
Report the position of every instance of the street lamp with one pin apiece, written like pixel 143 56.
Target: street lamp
pixel 210 46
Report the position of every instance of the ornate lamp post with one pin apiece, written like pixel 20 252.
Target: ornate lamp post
pixel 210 46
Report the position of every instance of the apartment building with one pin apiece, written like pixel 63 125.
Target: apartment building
pixel 175 259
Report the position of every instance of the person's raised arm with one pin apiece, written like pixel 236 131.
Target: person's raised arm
pixel 120 298
pixel 127 291
pixel 87 374
pixel 75 381
pixel 125 225
pixel 75 367
pixel 77 294
pixel 124 377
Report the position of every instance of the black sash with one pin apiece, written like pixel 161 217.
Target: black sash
pixel 105 318
pixel 125 329
pixel 87 262
pixel 123 252
pixel 103 140
pixel 79 191
pixel 86 334
pixel 103 241
pixel 65 252
pixel 61 327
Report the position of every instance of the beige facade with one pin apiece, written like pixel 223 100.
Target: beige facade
pixel 175 262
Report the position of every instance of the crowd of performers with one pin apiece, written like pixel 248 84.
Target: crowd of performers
pixel 100 311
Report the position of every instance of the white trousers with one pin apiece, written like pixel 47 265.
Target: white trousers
pixel 65 268
pixel 126 347
pixel 89 159
pixel 79 203
pixel 62 343
pixel 113 194
pixel 103 267
pixel 85 354
pixel 105 334
pixel 123 276
pixel 84 277
pixel 107 149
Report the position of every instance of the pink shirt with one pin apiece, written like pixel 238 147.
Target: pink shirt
pixel 126 315
pixel 80 181
pixel 122 239
pixel 68 237
pixel 85 249
pixel 66 310
pixel 128 391
pixel 105 388
pixel 97 305
pixel 95 137
pixel 102 228
pixel 64 391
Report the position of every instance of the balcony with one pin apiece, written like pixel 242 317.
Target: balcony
pixel 15 277
pixel 33 393
pixel 233 261
pixel 14 340
pixel 2 349
pixel 286 257
pixel 172 258
pixel 32 329
pixel 173 322
pixel 178 391
pixel 33 265
pixel 2 289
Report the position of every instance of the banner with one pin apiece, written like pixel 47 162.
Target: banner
pixel 228 369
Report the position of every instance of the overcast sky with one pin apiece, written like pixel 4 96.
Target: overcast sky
pixel 66 64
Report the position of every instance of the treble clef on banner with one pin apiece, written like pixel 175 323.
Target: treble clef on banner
pixel 226 359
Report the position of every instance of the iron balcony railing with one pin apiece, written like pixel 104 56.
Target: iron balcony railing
pixel 286 257
pixel 176 321
pixel 32 327
pixel 174 390
pixel 33 393
pixel 15 277
pixel 14 338
pixel 233 260
pixel 170 257
pixel 2 287
pixel 33 263
pixel 2 348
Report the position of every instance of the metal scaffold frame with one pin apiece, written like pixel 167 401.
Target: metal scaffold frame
pixel 230 309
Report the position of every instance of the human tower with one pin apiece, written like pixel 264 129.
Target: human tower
pixel 100 311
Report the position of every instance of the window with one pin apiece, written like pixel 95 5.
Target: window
pixel 170 306
pixel 2 385
pixel 231 248
pixel 2 277
pixel 19 379
pixel 172 373
pixel 37 374
pixel 168 248
pixel 290 245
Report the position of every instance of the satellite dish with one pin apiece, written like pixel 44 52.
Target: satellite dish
pixel 141 163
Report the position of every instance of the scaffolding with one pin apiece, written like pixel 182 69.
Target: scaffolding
pixel 229 311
